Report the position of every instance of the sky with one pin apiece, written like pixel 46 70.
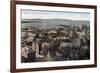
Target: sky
pixel 43 14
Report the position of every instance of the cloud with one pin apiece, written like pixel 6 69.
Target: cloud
pixel 41 14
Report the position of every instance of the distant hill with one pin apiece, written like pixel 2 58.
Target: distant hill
pixel 52 23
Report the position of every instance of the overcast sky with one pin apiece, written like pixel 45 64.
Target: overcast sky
pixel 40 14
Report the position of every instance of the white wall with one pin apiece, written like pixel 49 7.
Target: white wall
pixel 5 36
